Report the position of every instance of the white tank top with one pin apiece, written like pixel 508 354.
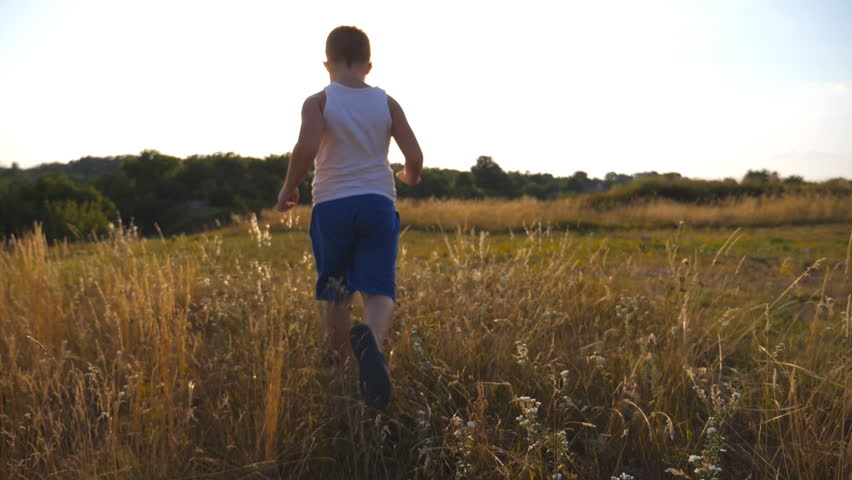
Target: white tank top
pixel 353 153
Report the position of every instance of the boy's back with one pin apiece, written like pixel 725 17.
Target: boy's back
pixel 353 153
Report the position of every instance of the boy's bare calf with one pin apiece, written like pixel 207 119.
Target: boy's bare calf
pixel 378 315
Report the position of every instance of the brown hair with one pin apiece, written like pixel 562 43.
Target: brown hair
pixel 348 44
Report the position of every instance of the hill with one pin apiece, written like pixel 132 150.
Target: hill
pixel 83 170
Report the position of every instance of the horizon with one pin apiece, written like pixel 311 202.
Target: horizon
pixel 738 178
pixel 707 91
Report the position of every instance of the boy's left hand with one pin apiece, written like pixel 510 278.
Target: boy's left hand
pixel 287 200
pixel 407 179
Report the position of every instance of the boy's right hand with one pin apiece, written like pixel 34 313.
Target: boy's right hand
pixel 287 200
pixel 407 179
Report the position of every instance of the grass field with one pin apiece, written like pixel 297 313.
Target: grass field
pixel 531 352
pixel 579 213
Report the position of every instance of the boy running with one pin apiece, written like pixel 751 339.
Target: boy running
pixel 354 229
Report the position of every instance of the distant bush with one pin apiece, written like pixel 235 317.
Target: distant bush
pixel 65 208
pixel 154 190
pixel 704 192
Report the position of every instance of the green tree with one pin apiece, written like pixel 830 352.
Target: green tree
pixel 65 208
pixel 760 176
pixel 153 190
pixel 491 179
pixel 578 182
pixel 464 186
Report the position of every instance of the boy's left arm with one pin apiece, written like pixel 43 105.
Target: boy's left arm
pixel 304 152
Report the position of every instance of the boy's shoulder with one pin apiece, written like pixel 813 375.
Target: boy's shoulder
pixel 316 100
pixel 393 105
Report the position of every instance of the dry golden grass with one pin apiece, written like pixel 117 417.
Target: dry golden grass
pixel 203 358
pixel 500 215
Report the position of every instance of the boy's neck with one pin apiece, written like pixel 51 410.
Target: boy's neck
pixel 352 77
pixel 349 79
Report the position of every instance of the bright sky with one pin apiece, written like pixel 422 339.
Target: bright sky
pixel 706 88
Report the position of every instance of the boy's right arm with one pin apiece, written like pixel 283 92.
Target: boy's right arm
pixel 302 157
pixel 407 142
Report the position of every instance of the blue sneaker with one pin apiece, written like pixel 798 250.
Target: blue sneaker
pixel 373 370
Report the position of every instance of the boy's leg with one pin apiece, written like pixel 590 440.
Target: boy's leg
pixel 373 273
pixel 378 315
pixel 332 241
pixel 338 321
pixel 374 265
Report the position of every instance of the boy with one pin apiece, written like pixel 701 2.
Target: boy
pixel 347 128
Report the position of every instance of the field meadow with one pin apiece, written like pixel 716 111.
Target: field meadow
pixel 531 340
pixel 578 214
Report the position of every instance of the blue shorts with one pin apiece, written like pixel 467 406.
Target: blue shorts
pixel 355 241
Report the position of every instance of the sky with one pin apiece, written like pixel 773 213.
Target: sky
pixel 709 89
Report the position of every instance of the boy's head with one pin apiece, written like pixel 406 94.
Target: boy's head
pixel 347 45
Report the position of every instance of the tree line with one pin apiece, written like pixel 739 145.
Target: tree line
pixel 159 192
